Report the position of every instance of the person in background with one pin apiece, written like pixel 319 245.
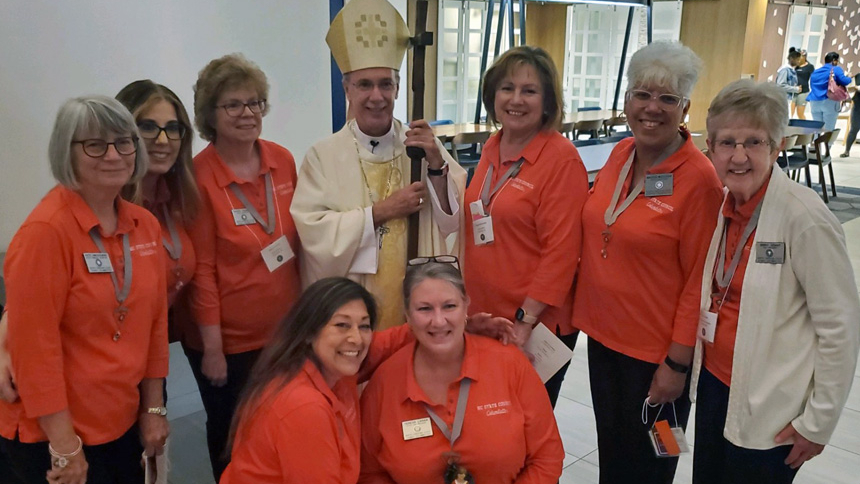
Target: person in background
pixel 823 108
pixel 804 70
pixel 533 186
pixel 506 432
pixel 645 225
pixel 854 124
pixel 87 327
pixel 771 379
pixel 786 76
pixel 247 275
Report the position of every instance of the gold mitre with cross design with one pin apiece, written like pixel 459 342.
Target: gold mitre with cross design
pixel 368 33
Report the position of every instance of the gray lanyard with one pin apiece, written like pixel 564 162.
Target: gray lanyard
pixel 174 247
pixel 270 205
pixel 612 212
pixel 486 194
pixel 725 278
pixel 121 294
pixel 459 415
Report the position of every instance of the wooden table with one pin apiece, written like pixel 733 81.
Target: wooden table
pixel 800 130
pixel 446 132
pixel 596 115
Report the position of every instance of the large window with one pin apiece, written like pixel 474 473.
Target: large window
pixel 806 31
pixel 461 42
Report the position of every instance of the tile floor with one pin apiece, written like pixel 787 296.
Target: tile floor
pixel 839 464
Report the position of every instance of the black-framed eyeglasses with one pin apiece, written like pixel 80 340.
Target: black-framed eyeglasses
pixel 97 148
pixel 150 130
pixel 666 101
pixel 236 108
pixel 442 259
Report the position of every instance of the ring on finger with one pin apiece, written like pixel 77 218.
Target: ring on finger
pixel 421 201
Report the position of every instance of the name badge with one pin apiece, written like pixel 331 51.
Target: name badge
pixel 707 326
pixel 416 429
pixel 477 209
pixel 668 441
pixel 241 216
pixel 483 230
pixel 98 262
pixel 659 185
pixel 770 252
pixel 277 253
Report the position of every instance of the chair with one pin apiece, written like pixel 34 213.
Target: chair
pixel 590 108
pixel 617 137
pixel 822 159
pixel 620 120
pixel 468 157
pixel 700 141
pixel 805 123
pixel 782 159
pixel 593 127
pixel 439 122
pixel 798 158
pixel 567 129
pixel 587 142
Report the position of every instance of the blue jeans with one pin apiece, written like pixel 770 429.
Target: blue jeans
pixel 825 110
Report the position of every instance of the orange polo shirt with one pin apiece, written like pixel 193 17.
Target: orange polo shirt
pixel 61 330
pixel 308 432
pixel 536 228
pixel 719 356
pixel 509 432
pixel 181 271
pixel 232 285
pixel 646 293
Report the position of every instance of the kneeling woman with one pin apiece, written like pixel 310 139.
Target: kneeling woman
pixel 470 402
pixel 779 289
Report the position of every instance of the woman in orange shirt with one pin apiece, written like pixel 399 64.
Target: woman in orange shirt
pixel 88 323
pixel 523 244
pixel 645 232
pixel 247 276
pixel 454 401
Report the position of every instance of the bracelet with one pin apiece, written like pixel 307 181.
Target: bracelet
pixel 675 366
pixel 63 459
pixel 440 172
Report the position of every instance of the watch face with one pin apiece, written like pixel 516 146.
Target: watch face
pixel 520 314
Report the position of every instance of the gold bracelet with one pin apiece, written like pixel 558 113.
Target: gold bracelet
pixel 63 459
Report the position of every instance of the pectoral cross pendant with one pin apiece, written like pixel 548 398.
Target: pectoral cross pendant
pixel 383 229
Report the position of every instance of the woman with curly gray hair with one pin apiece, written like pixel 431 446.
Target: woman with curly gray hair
pixel 645 230
pixel 245 240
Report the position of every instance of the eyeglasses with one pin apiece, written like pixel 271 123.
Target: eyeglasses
pixel 751 146
pixel 236 108
pixel 667 102
pixel 97 148
pixel 364 85
pixel 150 130
pixel 442 259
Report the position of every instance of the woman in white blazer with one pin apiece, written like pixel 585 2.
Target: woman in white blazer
pixel 780 322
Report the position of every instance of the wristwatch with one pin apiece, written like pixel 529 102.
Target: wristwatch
pixel 675 366
pixel 440 172
pixel 160 411
pixel 522 315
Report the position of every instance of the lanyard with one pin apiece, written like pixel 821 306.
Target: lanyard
pixel 725 278
pixel 270 205
pixel 486 194
pixel 174 247
pixel 121 294
pixel 460 414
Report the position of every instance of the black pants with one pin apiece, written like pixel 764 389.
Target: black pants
pixel 718 461
pixel 619 386
pixel 220 402
pixel 855 125
pixel 553 385
pixel 116 462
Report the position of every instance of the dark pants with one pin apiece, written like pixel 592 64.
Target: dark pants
pixel 718 461
pixel 220 402
pixel 619 386
pixel 553 385
pixel 116 462
pixel 855 125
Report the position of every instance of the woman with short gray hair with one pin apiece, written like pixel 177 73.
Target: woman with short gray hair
pixel 645 228
pixel 88 325
pixel 780 321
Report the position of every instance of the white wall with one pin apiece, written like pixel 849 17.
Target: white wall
pixel 53 50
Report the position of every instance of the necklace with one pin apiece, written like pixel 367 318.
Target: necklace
pixel 382 229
